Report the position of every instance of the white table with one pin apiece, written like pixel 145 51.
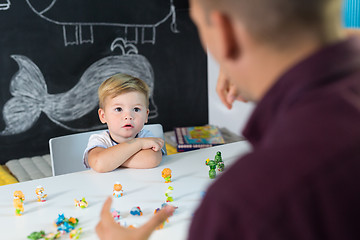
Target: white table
pixel 142 187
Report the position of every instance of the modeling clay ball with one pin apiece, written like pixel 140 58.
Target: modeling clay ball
pixel 117 191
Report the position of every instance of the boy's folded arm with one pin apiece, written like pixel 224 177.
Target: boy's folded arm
pixel 146 158
pixel 136 153
pixel 108 159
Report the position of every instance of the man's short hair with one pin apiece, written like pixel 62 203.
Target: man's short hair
pixel 275 21
pixel 119 84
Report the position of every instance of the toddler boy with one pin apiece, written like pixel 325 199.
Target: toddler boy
pixel 124 107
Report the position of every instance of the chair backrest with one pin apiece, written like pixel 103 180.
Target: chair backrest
pixel 66 152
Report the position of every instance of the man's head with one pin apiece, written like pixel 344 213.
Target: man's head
pixel 124 106
pixel 275 22
pixel 256 41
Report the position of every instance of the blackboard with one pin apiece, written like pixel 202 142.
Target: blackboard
pixel 54 54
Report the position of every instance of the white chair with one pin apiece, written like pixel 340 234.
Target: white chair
pixel 66 152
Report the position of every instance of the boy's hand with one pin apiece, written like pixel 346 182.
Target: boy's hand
pixel 152 143
pixel 107 228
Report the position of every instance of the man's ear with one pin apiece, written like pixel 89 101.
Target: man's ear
pixel 228 47
pixel 101 113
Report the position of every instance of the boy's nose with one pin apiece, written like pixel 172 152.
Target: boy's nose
pixel 128 116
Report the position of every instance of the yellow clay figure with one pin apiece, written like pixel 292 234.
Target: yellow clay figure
pixel 18 202
pixel 40 192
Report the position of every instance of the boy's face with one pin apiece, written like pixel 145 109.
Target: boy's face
pixel 125 115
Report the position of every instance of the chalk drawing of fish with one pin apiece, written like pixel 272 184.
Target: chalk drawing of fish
pixel 30 96
pixel 78 29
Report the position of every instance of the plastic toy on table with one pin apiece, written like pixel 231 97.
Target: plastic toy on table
pixel 136 211
pixel 115 213
pixel 75 233
pixel 212 165
pixel 19 202
pixel 82 203
pixel 218 157
pixel 168 194
pixel 117 191
pixel 36 235
pixel 40 192
pixel 166 174
pixel 65 225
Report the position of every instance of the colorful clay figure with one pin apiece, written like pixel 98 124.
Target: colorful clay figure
pixel 82 203
pixel 115 213
pixel 219 162
pixel 220 166
pixel 136 211
pixel 212 172
pixel 19 202
pixel 36 235
pixel 166 174
pixel 40 192
pixel 75 233
pixel 216 163
pixel 168 194
pixel 65 225
pixel 117 191
pixel 218 157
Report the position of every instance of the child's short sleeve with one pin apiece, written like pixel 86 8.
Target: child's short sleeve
pixel 96 140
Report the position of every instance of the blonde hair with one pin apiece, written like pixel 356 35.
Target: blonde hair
pixel 119 84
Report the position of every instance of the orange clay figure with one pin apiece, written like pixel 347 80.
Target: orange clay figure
pixel 166 174
pixel 40 192
pixel 18 202
pixel 117 192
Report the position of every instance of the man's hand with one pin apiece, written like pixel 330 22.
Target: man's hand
pixel 107 228
pixel 227 91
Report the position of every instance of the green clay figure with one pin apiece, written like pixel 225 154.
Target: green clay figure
pixel 221 166
pixel 218 158
pixel 212 172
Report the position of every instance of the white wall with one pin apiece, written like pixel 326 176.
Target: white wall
pixel 234 119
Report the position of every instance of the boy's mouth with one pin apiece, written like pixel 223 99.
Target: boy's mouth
pixel 128 126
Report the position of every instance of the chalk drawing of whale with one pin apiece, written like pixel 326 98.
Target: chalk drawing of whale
pixel 30 96
pixel 134 16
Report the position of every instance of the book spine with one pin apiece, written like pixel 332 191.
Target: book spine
pixel 189 147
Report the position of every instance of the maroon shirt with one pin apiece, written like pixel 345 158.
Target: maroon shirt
pixel 302 179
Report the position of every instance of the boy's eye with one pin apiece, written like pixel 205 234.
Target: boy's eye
pixel 118 109
pixel 137 109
